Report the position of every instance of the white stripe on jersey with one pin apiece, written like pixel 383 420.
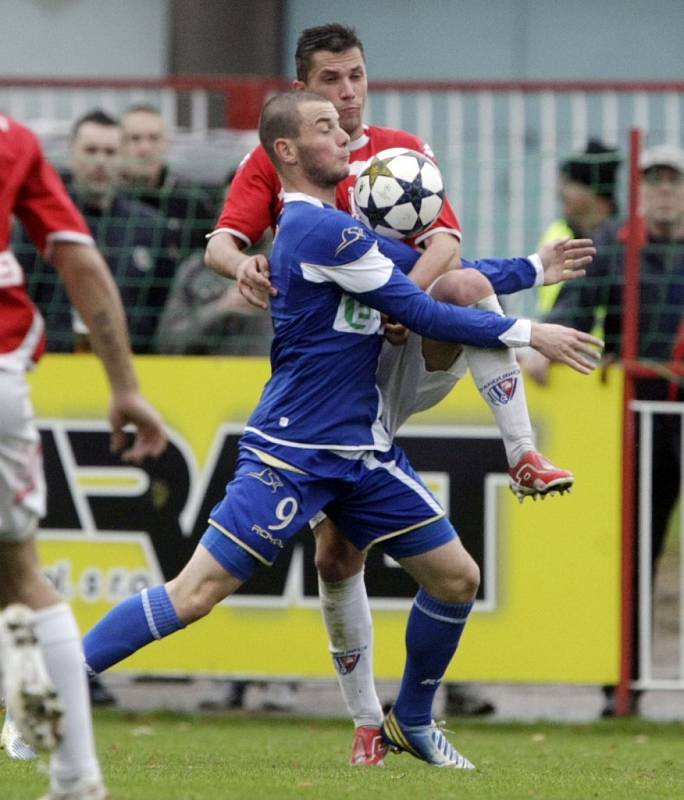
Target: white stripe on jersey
pixel 367 273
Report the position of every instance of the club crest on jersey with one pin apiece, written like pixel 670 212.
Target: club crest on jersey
pixel 268 477
pixel 502 392
pixel 346 662
pixel 349 236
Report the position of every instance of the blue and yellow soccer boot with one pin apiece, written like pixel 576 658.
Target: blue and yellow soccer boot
pixel 426 742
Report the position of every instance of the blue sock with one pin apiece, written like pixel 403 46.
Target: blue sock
pixel 130 625
pixel 432 634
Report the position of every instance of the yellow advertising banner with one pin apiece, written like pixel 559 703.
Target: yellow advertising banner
pixel 548 609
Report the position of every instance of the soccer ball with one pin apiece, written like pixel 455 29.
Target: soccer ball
pixel 399 193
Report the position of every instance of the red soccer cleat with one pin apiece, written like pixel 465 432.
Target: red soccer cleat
pixel 534 475
pixel 368 747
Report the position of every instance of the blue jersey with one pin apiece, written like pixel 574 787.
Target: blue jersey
pixel 334 278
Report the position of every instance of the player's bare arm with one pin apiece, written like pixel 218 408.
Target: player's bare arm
pixel 93 292
pixel 442 253
pixel 224 256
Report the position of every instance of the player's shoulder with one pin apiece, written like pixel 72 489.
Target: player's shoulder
pixel 384 138
pixel 324 232
pixel 256 160
pixel 18 136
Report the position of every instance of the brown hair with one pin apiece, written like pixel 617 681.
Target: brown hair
pixel 335 38
pixel 280 118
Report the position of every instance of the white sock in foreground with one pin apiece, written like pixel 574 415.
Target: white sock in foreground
pixel 75 757
pixel 347 618
pixel 497 376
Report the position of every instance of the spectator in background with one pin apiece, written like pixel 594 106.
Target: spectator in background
pixel 661 335
pixel 207 315
pixel 586 187
pixel 132 237
pixel 187 206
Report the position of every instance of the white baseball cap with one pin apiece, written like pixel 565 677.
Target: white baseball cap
pixel 662 155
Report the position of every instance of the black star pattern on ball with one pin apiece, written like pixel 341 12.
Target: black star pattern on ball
pixel 414 192
pixel 374 215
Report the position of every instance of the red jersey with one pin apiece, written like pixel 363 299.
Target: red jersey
pixel 31 190
pixel 255 198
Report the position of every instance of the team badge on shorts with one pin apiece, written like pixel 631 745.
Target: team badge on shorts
pixel 346 662
pixel 501 392
pixel 268 477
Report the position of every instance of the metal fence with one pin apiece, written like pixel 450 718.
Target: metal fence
pixel 498 143
pixel 661 662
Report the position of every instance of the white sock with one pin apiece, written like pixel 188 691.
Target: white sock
pixel 60 641
pixel 347 618
pixel 497 376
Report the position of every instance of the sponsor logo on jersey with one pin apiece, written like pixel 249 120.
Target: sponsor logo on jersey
pixel 349 237
pixel 266 535
pixel 501 392
pixel 354 317
pixel 268 477
pixel 346 662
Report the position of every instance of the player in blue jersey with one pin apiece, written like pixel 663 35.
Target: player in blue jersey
pixel 316 439
pixel 330 60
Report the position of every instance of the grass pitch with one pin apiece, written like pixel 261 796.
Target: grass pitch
pixel 178 757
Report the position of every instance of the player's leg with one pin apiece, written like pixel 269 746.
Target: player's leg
pixel 237 540
pixel 498 377
pixel 392 507
pixel 41 649
pixel 448 579
pixel 159 611
pixel 348 623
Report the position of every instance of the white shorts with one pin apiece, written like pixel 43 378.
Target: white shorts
pixel 406 385
pixel 22 483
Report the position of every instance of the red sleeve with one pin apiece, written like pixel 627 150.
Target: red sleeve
pixel 254 200
pixel 43 205
pixel 447 221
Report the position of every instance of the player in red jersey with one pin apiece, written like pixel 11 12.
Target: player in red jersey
pixel 40 646
pixel 330 61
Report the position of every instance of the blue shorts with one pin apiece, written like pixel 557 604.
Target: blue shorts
pixel 373 498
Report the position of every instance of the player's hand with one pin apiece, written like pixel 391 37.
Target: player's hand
pixel 131 408
pixel 254 281
pixel 395 333
pixel 566 259
pixel 580 351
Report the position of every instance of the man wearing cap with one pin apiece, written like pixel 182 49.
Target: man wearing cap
pixel 586 189
pixel 660 324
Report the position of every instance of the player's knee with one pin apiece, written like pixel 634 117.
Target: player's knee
pixel 192 602
pixel 462 287
pixel 336 558
pixel 460 584
pixel 339 564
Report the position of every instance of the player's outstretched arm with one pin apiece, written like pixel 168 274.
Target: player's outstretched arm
pixel 442 253
pixel 251 272
pixel 93 292
pixel 566 259
pixel 579 350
